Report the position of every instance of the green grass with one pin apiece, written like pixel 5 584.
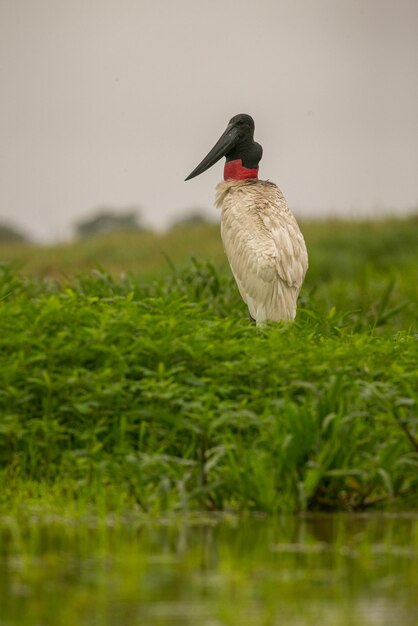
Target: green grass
pixel 335 248
pixel 144 253
pixel 120 392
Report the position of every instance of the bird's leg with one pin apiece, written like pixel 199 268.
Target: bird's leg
pixel 252 320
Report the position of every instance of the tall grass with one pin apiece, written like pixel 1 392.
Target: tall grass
pixel 346 246
pixel 160 395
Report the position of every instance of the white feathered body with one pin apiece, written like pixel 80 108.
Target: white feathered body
pixel 264 246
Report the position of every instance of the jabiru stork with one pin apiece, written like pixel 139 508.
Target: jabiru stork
pixel 262 240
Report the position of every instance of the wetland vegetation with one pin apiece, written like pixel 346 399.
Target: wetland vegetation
pixel 134 391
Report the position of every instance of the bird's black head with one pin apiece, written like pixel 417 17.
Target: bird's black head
pixel 244 122
pixel 238 146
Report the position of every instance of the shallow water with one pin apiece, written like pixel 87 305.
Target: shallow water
pixel 336 570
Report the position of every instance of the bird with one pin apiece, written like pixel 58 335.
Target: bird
pixel 261 237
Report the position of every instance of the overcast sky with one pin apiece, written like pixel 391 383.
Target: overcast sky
pixel 114 102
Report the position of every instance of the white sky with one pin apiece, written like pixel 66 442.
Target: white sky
pixel 114 102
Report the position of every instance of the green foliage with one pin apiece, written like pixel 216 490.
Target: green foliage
pixel 362 253
pixel 10 234
pixel 160 393
pixel 108 220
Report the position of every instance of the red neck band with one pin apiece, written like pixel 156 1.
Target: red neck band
pixel 234 170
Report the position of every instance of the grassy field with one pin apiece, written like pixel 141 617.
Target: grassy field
pixel 143 385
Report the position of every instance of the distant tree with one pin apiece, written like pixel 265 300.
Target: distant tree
pixel 109 220
pixel 10 234
pixel 194 218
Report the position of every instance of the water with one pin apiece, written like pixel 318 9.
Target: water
pixel 332 570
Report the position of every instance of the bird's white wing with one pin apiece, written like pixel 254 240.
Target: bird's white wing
pixel 265 247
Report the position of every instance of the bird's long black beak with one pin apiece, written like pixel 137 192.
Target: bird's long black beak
pixel 224 144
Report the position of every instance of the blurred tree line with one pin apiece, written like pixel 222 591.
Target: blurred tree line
pixel 107 220
pixel 10 234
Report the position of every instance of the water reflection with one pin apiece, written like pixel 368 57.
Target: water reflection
pixel 328 569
